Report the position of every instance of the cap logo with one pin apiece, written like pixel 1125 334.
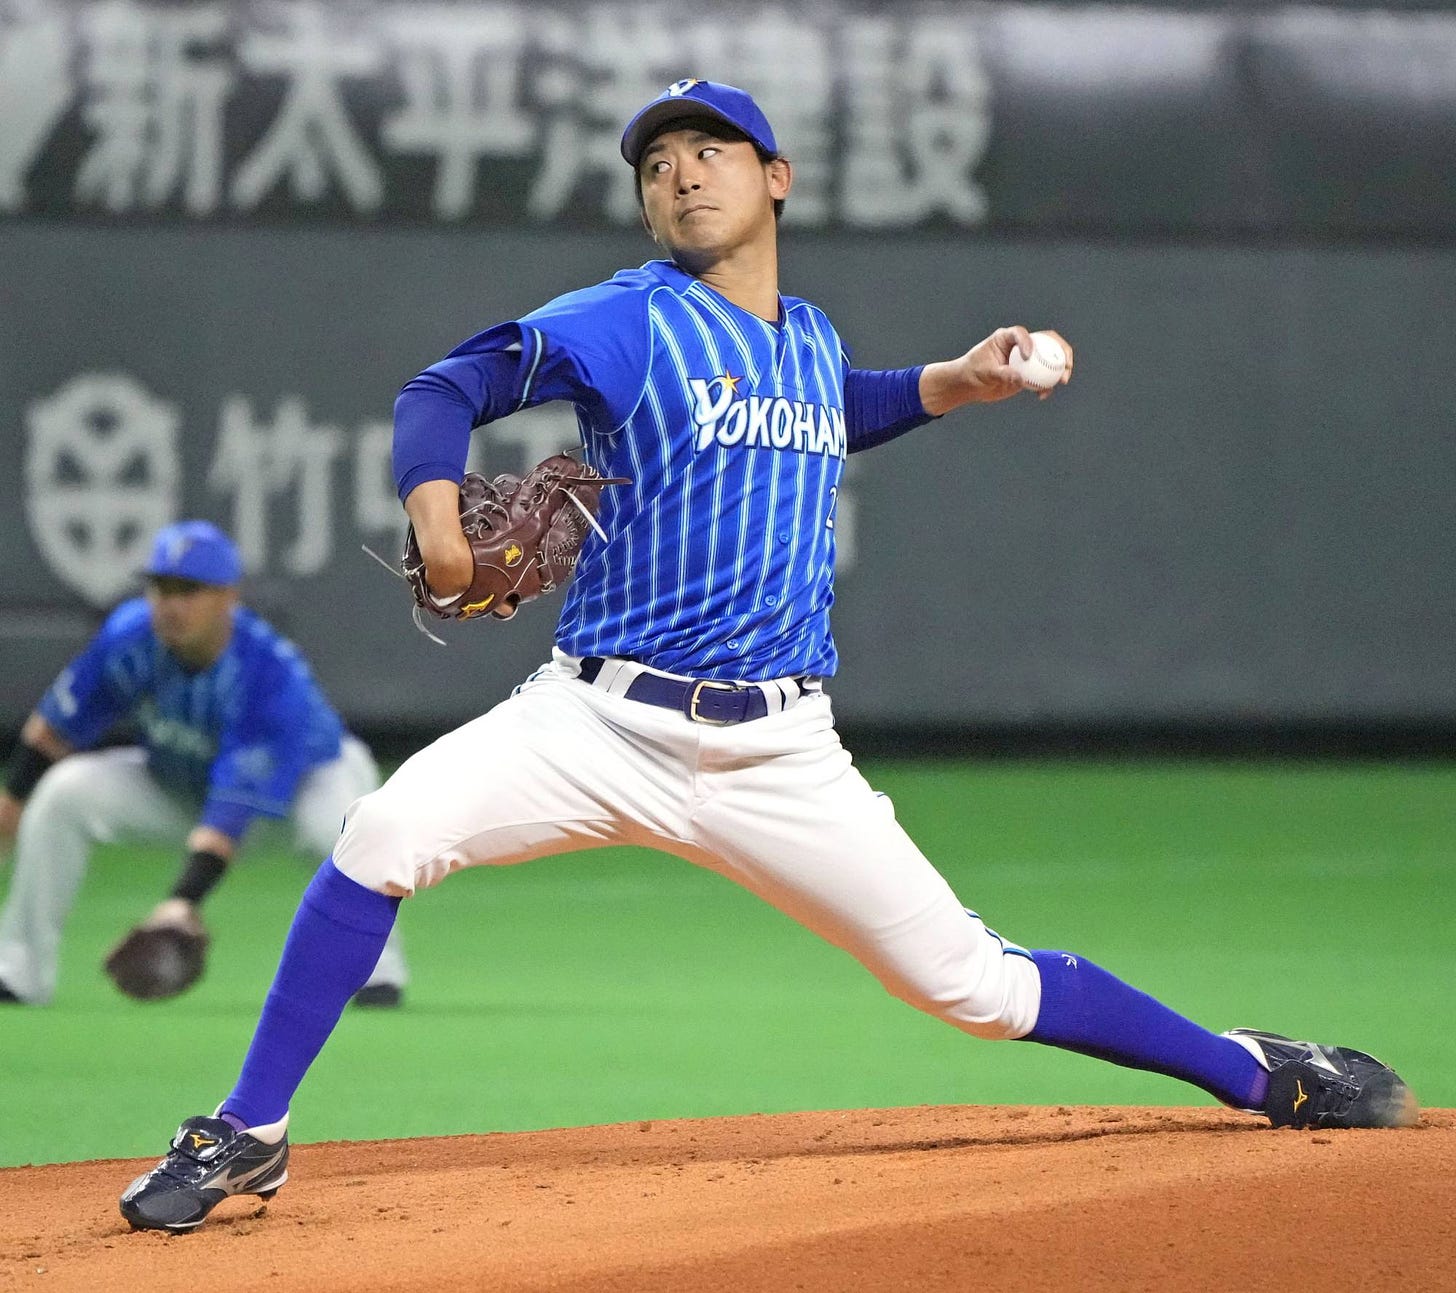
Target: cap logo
pixel 683 86
pixel 177 545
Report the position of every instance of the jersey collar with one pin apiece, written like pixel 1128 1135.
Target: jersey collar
pixel 675 276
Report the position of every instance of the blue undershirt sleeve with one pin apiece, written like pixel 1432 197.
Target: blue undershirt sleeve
pixel 589 348
pixel 881 405
pixel 435 413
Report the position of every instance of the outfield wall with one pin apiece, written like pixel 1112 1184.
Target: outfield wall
pixel 1241 512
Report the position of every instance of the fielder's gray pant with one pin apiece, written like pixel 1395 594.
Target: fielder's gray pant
pixel 108 796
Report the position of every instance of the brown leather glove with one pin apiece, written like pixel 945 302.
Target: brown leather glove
pixel 160 958
pixel 525 534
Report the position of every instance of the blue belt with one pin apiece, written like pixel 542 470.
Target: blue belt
pixel 703 700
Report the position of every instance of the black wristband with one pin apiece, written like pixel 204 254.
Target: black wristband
pixel 199 876
pixel 27 766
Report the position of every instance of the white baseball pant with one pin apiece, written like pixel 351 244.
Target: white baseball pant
pixel 108 796
pixel 774 804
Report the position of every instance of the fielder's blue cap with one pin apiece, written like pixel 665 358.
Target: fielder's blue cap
pixel 694 98
pixel 195 550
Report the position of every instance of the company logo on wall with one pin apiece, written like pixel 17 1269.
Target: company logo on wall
pixel 101 474
pixel 109 462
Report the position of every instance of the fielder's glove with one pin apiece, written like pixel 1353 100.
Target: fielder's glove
pixel 525 535
pixel 162 956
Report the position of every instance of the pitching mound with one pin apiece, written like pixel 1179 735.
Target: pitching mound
pixel 903 1199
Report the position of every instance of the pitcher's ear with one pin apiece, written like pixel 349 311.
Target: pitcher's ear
pixel 780 178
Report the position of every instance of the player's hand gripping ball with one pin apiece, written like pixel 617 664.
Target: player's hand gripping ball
pixel 158 960
pixel 524 533
pixel 1047 363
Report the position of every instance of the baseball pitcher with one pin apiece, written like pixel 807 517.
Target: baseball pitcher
pixel 685 706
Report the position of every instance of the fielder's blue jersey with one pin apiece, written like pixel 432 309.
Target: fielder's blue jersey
pixel 237 736
pixel 720 556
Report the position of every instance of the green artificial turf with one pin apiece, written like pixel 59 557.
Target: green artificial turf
pixel 1314 900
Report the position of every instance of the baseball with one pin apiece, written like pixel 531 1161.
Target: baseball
pixel 1047 363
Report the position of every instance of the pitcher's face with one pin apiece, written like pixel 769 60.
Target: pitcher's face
pixel 704 198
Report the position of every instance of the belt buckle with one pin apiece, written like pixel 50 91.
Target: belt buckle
pixel 697 691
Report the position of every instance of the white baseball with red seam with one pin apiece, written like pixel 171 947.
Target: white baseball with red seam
pixel 1047 363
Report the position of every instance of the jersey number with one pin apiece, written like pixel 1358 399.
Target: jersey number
pixel 833 502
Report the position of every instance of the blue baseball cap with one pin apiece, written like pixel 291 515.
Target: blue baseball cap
pixel 694 98
pixel 195 550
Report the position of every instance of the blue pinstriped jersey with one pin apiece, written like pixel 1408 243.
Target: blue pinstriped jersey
pixel 720 554
pixel 236 737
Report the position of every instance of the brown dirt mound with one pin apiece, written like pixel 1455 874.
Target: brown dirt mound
pixel 905 1199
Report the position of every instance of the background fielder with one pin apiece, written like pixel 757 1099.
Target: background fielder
pixel 230 726
pixel 684 705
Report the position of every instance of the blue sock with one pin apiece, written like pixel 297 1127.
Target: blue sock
pixel 1085 1009
pixel 332 948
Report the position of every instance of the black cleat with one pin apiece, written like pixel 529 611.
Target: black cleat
pixel 7 997
pixel 208 1162
pixel 379 996
pixel 1327 1086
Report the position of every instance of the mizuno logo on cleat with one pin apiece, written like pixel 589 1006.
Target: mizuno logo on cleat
pixel 199 1141
pixel 1302 1095
pixel 237 1181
